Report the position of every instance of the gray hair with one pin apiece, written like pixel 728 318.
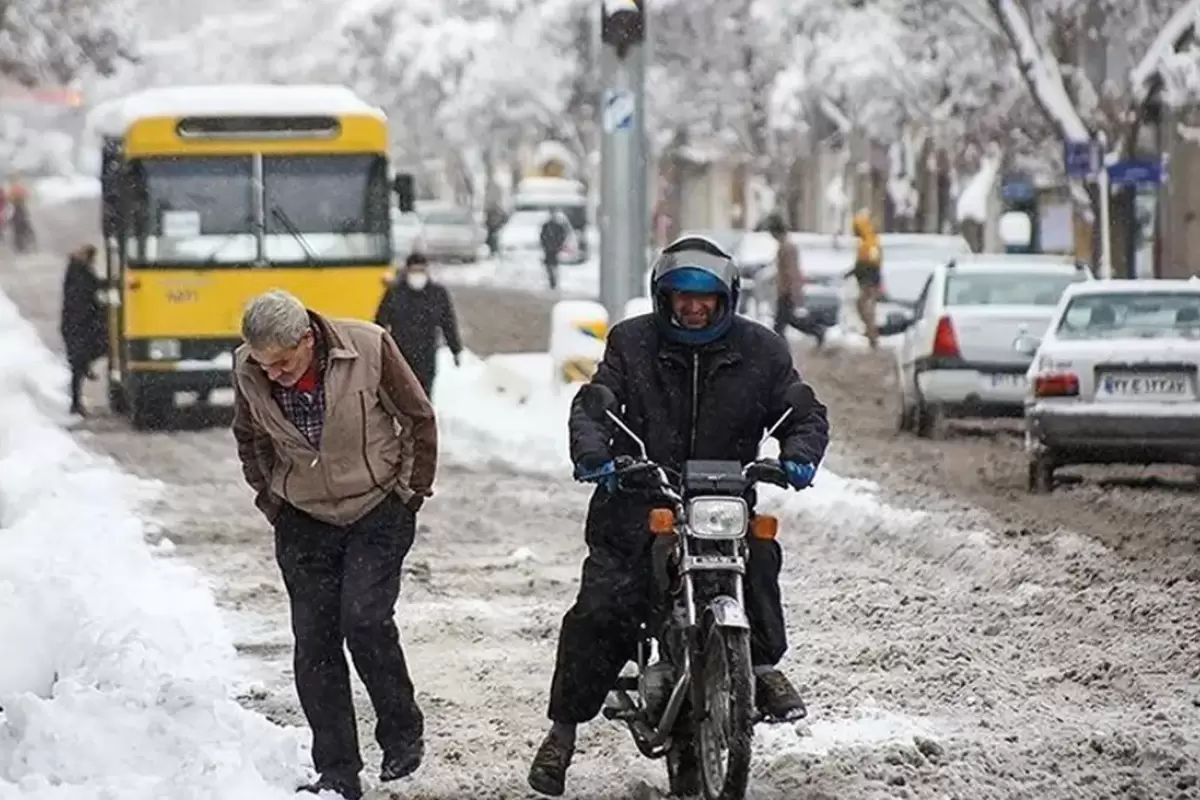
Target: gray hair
pixel 275 319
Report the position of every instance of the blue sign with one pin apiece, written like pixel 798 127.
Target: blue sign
pixel 619 107
pixel 1137 171
pixel 1017 191
pixel 1081 160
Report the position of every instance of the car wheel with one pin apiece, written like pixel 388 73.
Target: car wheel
pixel 924 420
pixel 1041 475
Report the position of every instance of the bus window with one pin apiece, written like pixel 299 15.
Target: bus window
pixel 338 204
pixel 188 210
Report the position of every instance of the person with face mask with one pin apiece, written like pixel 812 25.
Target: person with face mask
pixel 415 310
pixel 695 381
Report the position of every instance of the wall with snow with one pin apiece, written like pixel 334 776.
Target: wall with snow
pixel 117 673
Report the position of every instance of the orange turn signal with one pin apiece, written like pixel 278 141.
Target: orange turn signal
pixel 765 527
pixel 662 521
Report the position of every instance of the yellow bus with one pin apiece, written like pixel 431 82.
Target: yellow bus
pixel 213 194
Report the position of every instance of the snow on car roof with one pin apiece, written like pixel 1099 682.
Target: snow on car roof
pixel 1015 261
pixel 114 117
pixel 1140 286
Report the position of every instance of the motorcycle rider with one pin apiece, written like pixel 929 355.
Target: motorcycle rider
pixel 696 381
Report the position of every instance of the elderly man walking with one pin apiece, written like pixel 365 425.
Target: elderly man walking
pixel 339 442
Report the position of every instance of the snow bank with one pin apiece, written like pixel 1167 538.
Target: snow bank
pixel 973 201
pixel 65 188
pixel 116 674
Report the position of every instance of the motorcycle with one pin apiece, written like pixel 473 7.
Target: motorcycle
pixel 691 700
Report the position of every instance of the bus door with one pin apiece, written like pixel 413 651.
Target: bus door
pixel 111 228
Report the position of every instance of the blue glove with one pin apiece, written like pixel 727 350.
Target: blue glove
pixel 800 473
pixel 605 475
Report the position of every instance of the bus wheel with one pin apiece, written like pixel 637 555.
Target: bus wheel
pixel 151 409
pixel 117 399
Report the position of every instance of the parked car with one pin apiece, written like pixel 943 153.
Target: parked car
pixel 450 233
pixel 956 357
pixel 1114 378
pixel 406 234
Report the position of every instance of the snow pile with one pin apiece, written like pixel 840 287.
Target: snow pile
pixel 117 670
pixel 65 188
pixel 525 272
pixel 974 200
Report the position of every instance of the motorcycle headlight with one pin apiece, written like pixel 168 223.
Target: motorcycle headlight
pixel 164 350
pixel 718 517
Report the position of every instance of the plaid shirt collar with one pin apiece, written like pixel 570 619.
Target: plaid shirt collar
pixel 306 410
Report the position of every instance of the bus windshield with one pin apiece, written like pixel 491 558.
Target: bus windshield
pixel 326 209
pixel 192 210
pixel 315 210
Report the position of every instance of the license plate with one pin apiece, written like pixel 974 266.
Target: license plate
pixel 1144 387
pixel 1005 380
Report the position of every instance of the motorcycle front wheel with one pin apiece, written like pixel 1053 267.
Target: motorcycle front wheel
pixel 725 733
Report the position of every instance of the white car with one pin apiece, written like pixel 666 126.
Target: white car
pixel 1114 378
pixel 957 358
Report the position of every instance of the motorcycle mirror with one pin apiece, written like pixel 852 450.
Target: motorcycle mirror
pixel 598 401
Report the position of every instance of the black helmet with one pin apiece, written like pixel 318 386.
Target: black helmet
pixel 694 264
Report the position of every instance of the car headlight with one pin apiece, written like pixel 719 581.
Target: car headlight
pixel 164 350
pixel 718 517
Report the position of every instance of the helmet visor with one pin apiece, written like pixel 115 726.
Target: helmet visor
pixel 721 269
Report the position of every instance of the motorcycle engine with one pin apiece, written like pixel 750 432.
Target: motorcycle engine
pixel 655 686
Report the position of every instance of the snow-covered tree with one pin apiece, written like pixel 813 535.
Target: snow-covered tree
pixel 56 40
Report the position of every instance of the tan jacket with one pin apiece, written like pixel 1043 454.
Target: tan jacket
pixel 789 279
pixel 379 436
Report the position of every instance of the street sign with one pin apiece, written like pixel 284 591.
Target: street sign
pixel 619 106
pixel 1136 171
pixel 1081 160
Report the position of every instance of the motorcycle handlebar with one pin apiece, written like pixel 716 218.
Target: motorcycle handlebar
pixel 764 470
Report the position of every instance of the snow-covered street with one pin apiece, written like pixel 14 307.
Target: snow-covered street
pixel 941 660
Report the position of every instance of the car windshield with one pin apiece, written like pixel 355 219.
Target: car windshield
pixel 1132 315
pixel 1008 288
pixel 326 209
pixel 189 210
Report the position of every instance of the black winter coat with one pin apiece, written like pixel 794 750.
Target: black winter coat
pixel 414 318
pixel 83 322
pixel 738 383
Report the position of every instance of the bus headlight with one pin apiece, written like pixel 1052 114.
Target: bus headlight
pixel 164 350
pixel 718 517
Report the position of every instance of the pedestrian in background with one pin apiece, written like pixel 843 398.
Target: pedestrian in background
pixel 789 286
pixel 339 443
pixel 415 310
pixel 83 322
pixel 868 272
pixel 553 236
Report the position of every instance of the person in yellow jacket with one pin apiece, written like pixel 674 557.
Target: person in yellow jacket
pixel 868 271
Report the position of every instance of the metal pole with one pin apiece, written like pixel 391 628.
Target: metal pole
pixel 1102 187
pixel 622 178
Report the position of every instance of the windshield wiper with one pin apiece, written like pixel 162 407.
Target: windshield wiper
pixel 279 214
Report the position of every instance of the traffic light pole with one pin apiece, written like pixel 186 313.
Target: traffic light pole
pixel 623 157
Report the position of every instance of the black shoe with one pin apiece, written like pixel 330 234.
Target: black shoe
pixel 402 762
pixel 349 788
pixel 777 699
pixel 548 774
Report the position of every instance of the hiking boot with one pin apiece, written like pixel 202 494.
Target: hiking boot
pixel 777 699
pixel 348 788
pixel 548 774
pixel 402 762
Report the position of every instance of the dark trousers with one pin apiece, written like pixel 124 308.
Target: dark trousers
pixel 79 372
pixel 785 314
pixel 600 632
pixel 550 261
pixel 425 374
pixel 343 584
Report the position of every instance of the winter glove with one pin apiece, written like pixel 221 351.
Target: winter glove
pixel 605 475
pixel 414 503
pixel 800 473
